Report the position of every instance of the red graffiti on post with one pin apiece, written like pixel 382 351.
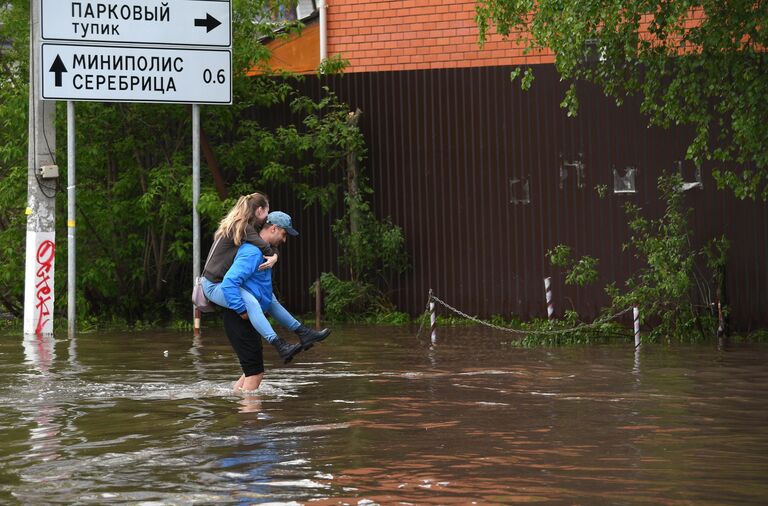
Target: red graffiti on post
pixel 45 254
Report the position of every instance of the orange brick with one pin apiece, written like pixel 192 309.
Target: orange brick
pixel 415 11
pixel 411 34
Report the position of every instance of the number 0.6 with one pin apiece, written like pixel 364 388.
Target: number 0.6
pixel 210 78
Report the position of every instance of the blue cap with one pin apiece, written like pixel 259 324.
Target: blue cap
pixel 282 220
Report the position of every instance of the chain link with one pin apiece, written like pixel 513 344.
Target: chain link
pixel 524 332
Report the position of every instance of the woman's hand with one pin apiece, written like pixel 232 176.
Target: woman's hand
pixel 269 262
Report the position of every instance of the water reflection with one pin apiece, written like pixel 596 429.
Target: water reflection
pixel 375 416
pixel 41 414
pixel 250 403
pixel 39 352
pixel 636 368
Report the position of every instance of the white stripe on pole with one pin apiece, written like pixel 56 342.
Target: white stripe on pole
pixel 432 318
pixel 636 316
pixel 548 294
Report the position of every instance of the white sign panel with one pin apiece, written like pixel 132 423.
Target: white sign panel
pixel 161 22
pixel 126 74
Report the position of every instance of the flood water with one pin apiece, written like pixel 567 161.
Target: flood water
pixel 376 416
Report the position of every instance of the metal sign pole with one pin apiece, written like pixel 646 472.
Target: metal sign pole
pixel 71 217
pixel 195 199
pixel 135 57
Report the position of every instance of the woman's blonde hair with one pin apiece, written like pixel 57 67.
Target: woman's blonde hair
pixel 241 215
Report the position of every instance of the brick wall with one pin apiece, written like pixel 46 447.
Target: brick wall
pixel 416 34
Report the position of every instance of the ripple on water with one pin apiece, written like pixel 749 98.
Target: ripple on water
pixel 401 425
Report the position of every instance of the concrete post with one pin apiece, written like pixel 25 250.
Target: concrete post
pixel 41 199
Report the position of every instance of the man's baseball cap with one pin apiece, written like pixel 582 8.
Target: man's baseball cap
pixel 282 220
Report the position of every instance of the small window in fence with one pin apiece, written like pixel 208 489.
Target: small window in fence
pixel 575 167
pixel 520 190
pixel 691 176
pixel 625 183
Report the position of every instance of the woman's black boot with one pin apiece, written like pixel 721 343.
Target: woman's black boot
pixel 309 336
pixel 285 349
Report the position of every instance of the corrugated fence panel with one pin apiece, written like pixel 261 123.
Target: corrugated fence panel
pixel 484 178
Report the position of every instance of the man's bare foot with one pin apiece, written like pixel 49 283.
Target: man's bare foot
pixel 239 384
pixel 251 383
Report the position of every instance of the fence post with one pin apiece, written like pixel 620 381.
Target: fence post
pixel 432 318
pixel 196 326
pixel 318 303
pixel 548 294
pixel 636 316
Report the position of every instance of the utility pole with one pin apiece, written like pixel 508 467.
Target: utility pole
pixel 41 198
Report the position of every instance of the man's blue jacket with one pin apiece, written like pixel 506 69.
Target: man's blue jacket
pixel 245 273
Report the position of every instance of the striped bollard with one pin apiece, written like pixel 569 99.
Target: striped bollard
pixel 432 318
pixel 636 316
pixel 548 293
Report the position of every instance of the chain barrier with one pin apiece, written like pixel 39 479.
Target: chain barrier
pixel 520 331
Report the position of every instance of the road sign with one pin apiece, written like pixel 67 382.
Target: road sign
pixel 158 22
pixel 127 74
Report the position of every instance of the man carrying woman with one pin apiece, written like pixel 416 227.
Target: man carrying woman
pixel 238 276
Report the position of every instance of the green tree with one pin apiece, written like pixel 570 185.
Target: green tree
pixel 693 62
pixel 14 74
pixel 672 287
pixel 372 250
pixel 133 173
pixel 677 287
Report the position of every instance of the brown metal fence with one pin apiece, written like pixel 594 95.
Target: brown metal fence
pixel 484 178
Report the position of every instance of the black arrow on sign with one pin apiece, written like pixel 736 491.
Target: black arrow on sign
pixel 209 22
pixel 57 68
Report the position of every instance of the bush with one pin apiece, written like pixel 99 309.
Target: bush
pixel 356 301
